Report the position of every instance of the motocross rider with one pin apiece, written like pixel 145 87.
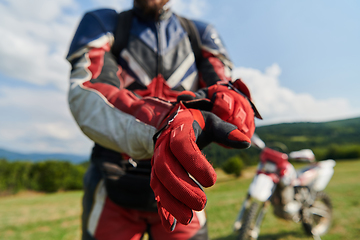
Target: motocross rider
pixel 150 102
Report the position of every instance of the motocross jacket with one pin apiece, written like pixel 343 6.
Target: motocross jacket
pixel 155 48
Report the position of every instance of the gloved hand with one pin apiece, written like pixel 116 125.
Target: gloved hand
pixel 179 169
pixel 232 107
pixel 232 103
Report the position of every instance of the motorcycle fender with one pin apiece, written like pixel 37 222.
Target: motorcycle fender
pixel 325 173
pixel 261 187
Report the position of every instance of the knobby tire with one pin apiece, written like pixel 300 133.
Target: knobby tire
pixel 321 225
pixel 249 220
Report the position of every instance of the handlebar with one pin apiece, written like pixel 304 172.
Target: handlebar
pixel 304 155
pixel 257 142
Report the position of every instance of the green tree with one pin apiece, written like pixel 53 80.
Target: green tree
pixel 14 176
pixel 233 165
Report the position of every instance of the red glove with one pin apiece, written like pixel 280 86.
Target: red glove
pixel 177 156
pixel 232 107
pixel 232 103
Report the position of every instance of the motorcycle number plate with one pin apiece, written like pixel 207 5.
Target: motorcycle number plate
pixel 261 187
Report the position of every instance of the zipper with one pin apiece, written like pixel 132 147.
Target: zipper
pixel 159 59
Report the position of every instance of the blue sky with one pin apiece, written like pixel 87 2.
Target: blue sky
pixel 299 58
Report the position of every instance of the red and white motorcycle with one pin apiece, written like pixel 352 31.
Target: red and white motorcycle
pixel 296 195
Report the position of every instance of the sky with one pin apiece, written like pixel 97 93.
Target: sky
pixel 300 60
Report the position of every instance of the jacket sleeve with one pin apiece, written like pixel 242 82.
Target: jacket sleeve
pixel 215 64
pixel 96 98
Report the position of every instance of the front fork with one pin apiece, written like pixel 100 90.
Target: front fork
pixel 246 204
pixel 238 221
pixel 258 184
pixel 263 209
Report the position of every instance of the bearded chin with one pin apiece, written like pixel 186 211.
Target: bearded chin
pixel 151 12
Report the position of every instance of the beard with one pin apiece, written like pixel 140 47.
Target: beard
pixel 150 7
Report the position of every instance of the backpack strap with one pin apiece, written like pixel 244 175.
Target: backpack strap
pixel 194 37
pixel 122 32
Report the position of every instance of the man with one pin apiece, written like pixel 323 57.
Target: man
pixel 147 94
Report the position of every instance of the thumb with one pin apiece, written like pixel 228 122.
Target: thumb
pixel 224 133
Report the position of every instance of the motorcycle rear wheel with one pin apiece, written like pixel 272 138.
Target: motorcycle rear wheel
pixel 318 217
pixel 251 223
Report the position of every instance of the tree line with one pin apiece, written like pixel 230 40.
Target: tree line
pixel 336 140
pixel 55 175
pixel 47 176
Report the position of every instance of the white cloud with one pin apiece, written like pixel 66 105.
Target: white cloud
pixel 118 5
pixel 279 104
pixel 39 120
pixel 35 39
pixel 42 10
pixel 193 9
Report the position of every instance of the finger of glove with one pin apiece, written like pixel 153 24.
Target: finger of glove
pixel 242 114
pixel 234 108
pixel 224 105
pixel 243 118
pixel 225 133
pixel 177 209
pixel 229 104
pixel 175 179
pixel 183 146
pixel 167 220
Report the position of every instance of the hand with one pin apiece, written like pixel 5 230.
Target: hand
pixel 179 169
pixel 231 102
pixel 232 106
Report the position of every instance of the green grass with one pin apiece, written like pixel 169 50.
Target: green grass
pixel 56 216
pixel 225 199
pixel 31 216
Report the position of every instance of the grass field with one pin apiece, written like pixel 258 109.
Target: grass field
pixel 56 216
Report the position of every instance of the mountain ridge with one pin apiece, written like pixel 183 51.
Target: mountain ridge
pixel 38 157
pixel 296 135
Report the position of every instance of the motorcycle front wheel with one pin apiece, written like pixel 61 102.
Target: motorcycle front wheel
pixel 250 228
pixel 318 217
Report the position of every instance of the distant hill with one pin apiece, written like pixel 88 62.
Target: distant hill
pixel 36 157
pixel 312 135
pixel 318 136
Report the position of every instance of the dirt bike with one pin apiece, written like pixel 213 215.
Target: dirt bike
pixel 295 195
